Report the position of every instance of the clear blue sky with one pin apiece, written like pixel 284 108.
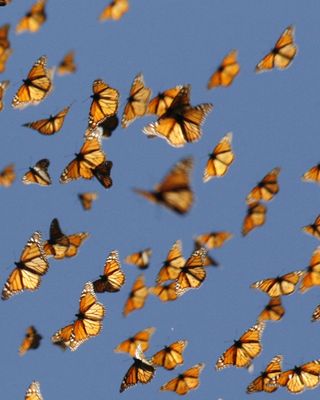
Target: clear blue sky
pixel 275 121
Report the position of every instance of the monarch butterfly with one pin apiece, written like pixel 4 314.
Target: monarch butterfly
pixel 7 176
pixel 170 356
pixel 188 380
pixel 33 392
pixel 280 285
pixel 5 50
pixel 109 125
pixel 137 296
pixel 166 292
pixel 192 274
pixel 113 277
pixel 314 228
pixel 273 311
pixel 311 276
pixel 266 189
pixel 140 371
pixel 105 102
pixel 38 174
pixel 220 159
pixel 213 240
pixel 50 125
pixel 60 245
pixel 141 259
pixel 137 102
pixel 160 104
pixel 88 322
pixel 102 173
pixel 181 123
pixel 140 338
pixel 3 87
pixel 29 269
pixel 226 72
pixel 316 314
pixel 283 53
pixel 115 10
pixel 86 199
pixel 67 64
pixel 262 382
pixel 31 340
pixel 312 175
pixel 172 265
pixel 306 376
pixel 36 87
pixel 4 56
pixel 34 18
pixel 174 191
pixel 256 216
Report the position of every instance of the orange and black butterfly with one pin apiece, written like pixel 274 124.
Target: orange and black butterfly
pixel 35 87
pixel 31 340
pixel 105 102
pixel 299 378
pixel 115 10
pixel 109 125
pixel 38 174
pixel 181 123
pixel 244 350
pixel 34 18
pixel 102 173
pixel 311 276
pixel 266 189
pixel 88 323
pixel 280 285
pixel 160 104
pixel 140 338
pixel 7 176
pixel 4 2
pixel 172 265
pixel 283 53
pixel 4 56
pixel 60 245
pixel 29 269
pixel 137 296
pixel 87 199
pixel 220 159
pixel 141 258
pixel 316 314
pixel 273 311
pixel 67 64
pixel 174 191
pixel 141 371
pixel 314 228
pixel 166 292
pixel 170 356
pixel 33 392
pixel 262 382
pixel 5 50
pixel 192 274
pixel 186 381
pixel 256 216
pixel 312 175
pixel 113 277
pixel 51 125
pixel 3 87
pixel 226 72
pixel 213 240
pixel 137 102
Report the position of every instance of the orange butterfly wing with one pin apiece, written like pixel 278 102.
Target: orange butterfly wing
pixel 7 176
pixel 256 216
pixel 86 199
pixel 186 381
pixel 113 277
pixel 273 311
pixel 50 125
pixel 141 259
pixel 67 64
pixel 311 276
pixel 193 274
pixel 33 392
pixel 34 18
pixel 3 88
pixel 266 189
pixel 226 72
pixel 262 382
pixel 38 174
pixel 160 104
pixel 279 286
pixel 313 229
pixel 115 10
pixel 170 356
pixel 141 338
pixel 137 296
pixel 172 265
pixel 30 341
pixel 312 175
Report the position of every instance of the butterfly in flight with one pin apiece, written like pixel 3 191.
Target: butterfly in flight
pixel 311 275
pixel 226 72
pixel 113 277
pixel 33 392
pixel 34 18
pixel 185 381
pixel 273 311
pixel 160 104
pixel 256 216
pixel 87 199
pixel 280 285
pixel 5 49
pixel 192 274
pixel 170 356
pixel 38 174
pixel 3 88
pixel 115 10
pixel 141 338
pixel 314 228
pixel 67 64
pixel 213 240
pixel 50 125
pixel 316 314
pixel 30 341
pixel 4 2
pixel 102 173
pixel 262 382
pixel 137 296
pixel 141 258
pixel 172 265
pixel 109 125
pixel 166 292
pixel 312 175
pixel 7 176
pixel 266 189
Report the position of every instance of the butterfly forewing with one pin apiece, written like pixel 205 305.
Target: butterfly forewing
pixel 141 338
pixel 263 382
pixel 170 356
pixel 186 381
pixel 226 72
pixel 113 277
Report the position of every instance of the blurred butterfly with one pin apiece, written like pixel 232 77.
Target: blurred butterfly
pixel 160 104
pixel 34 18
pixel 213 240
pixel 306 376
pixel 220 159
pixel 3 87
pixel 172 265
pixel 29 269
pixel 4 56
pixel 67 64
pixel 262 382
pixel 141 371
pixel 266 189
pixel 88 323
pixel 244 350
pixel 5 50
pixel 31 340
pixel 282 54
pixel 227 71
pixel 33 392
pixel 312 175
pixel 38 174
pixel 170 356
pixel 141 259
pixel 86 199
pixel 314 228
pixel 185 381
pixel 115 10
pixel 137 102
pixel 311 276
pixel 181 123
pixel 273 311
pixel 208 261
pixel 137 296
pixel 192 274
pixel 36 87
pixel 316 314
pixel 102 173
pixel 113 277
pixel 109 125
pixel 105 102
pixel 7 176
pixel 60 245
pixel 174 191
pixel 280 285
pixel 166 292
pixel 4 2
pixel 51 125
pixel 256 216
pixel 140 338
